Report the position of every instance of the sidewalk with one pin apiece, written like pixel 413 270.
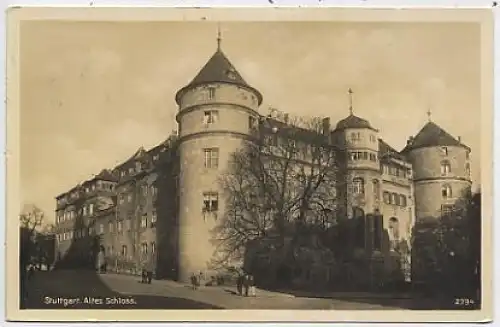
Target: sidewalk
pixel 231 290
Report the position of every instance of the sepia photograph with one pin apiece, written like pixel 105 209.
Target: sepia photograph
pixel 247 160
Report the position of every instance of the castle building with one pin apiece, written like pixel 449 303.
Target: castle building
pixel 164 202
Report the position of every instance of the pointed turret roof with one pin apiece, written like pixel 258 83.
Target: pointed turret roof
pixel 218 69
pixel 432 135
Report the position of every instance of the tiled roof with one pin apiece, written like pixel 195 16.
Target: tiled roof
pixel 432 135
pixel 386 149
pixel 353 122
pixel 218 69
pixel 295 132
pixel 106 175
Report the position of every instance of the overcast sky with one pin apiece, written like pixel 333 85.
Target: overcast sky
pixel 93 93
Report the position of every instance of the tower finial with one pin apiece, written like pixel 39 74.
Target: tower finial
pixel 350 100
pixel 219 37
pixel 429 113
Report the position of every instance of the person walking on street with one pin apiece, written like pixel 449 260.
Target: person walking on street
pixel 194 281
pixel 251 284
pixel 239 284
pixel 100 260
pixel 246 284
pixel 150 266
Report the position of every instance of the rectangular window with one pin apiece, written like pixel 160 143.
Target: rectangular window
pixel 211 93
pixel 153 217
pixel 251 122
pixel 210 117
pixel 144 248
pixel 122 198
pixel 129 198
pixel 124 250
pixel 91 209
pixel 211 157
pixel 210 202
pixel 154 190
pixel 101 229
pixel 144 221
pixel 110 227
pixel 156 157
pixel 153 247
pixel 120 226
pixel 131 170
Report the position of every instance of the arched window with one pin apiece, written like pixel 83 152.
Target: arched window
pixel 358 186
pixel 445 167
pixel 394 198
pixel 467 169
pixel 376 189
pixel 446 191
pixel 402 200
pixel 387 198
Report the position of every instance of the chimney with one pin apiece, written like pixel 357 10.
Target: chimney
pixel 410 140
pixel 460 139
pixel 285 118
pixel 326 125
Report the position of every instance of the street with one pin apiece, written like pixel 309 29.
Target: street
pixel 87 290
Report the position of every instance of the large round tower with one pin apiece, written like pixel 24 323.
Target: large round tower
pixel 360 185
pixel 216 113
pixel 441 170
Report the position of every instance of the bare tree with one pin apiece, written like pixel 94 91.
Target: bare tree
pixel 281 181
pixel 31 218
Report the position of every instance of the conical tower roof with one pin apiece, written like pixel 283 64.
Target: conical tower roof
pixel 218 69
pixel 432 135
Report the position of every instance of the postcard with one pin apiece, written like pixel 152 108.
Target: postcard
pixel 265 165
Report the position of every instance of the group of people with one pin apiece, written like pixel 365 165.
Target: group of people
pixel 196 280
pixel 246 283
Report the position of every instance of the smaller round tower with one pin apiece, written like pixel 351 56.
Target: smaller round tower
pixel 359 183
pixel 441 170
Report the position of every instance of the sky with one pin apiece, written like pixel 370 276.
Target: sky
pixel 92 93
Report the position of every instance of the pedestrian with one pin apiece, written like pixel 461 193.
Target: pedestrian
pixel 194 281
pixel 100 260
pixel 150 265
pixel 251 284
pixel 200 277
pixel 246 284
pixel 239 284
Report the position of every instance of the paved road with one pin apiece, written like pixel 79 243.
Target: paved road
pixel 77 289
